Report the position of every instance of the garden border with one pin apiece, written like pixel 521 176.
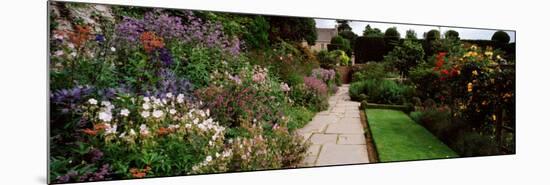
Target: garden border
pixel 371 146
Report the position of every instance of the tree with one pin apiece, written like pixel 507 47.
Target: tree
pixel 343 25
pixel 411 34
pixel 292 29
pixel 392 36
pixel 501 37
pixel 406 56
pixel 433 35
pixel 348 34
pixel 341 43
pixel 372 32
pixel 452 34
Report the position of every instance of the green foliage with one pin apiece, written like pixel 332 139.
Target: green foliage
pixel 381 91
pixel 298 117
pixel 372 32
pixel 433 35
pixel 452 34
pixel 373 70
pixel 411 34
pixel 303 96
pixel 350 35
pixel 200 63
pixel 341 43
pixel 257 36
pixel 292 29
pixel 501 37
pixel 405 56
pixel 392 34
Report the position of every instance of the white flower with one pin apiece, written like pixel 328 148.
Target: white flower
pixel 132 132
pixel 71 45
pixel 169 95
pixel 105 103
pixel 146 99
pixel 207 112
pixel 92 101
pixel 188 125
pixel 196 121
pixel 111 130
pixel 172 111
pixel 208 158
pixel 113 49
pixel 124 112
pixel 73 54
pixel 143 130
pixel 226 153
pixel 173 126
pixel 145 114
pixel 59 53
pixel 105 116
pixel 122 135
pixel 146 106
pixel 158 113
pixel 217 154
pixel 180 98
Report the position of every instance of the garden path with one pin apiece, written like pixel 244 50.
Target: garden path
pixel 337 135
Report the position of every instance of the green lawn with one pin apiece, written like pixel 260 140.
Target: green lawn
pixel 398 138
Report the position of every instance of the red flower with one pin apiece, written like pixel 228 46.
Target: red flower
pixel 445 72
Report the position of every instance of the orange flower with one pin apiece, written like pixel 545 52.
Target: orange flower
pixel 100 126
pixel 90 132
pixel 139 173
pixel 80 35
pixel 162 131
pixel 470 87
pixel 151 41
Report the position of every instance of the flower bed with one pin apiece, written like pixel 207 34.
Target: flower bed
pixel 151 92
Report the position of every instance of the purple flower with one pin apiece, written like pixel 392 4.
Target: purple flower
pixel 100 38
pixel 316 85
pixel 323 74
pixel 95 155
pixel 165 57
pixel 130 29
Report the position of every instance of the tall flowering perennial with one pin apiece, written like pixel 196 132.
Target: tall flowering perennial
pixel 323 74
pixel 316 85
pixel 188 29
pixel 80 35
pixel 151 41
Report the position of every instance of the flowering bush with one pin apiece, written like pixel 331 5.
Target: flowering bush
pixel 316 85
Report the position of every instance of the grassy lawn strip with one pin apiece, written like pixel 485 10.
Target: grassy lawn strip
pixel 398 138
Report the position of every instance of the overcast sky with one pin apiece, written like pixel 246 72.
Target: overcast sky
pixel 359 26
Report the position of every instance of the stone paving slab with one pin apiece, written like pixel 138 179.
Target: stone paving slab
pixel 324 139
pixel 351 139
pixel 336 134
pixel 344 129
pixel 342 154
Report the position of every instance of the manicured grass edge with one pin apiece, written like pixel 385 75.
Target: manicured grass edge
pixel 371 146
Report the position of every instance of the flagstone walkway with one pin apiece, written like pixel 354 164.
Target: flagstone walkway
pixel 336 134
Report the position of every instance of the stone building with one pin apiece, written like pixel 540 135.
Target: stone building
pixel 323 38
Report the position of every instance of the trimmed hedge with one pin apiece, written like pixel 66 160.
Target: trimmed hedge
pixel 375 48
pixel 369 49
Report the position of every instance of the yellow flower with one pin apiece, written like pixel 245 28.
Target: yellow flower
pixel 474 73
pixel 494 117
pixel 470 87
pixel 474 47
pixel 489 53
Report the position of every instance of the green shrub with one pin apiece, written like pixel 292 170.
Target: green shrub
pixel 381 91
pixel 307 97
pixel 392 36
pixel 341 43
pixel 405 56
pixel 257 36
pixel 298 117
pixel 369 71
